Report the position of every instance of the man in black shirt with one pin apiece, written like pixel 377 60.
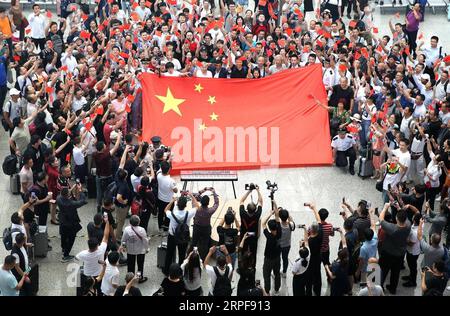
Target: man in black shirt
pixel 238 70
pixel 95 229
pixel 36 150
pixel 314 281
pixel 250 222
pixel 272 252
pixel 343 91
pixel 42 205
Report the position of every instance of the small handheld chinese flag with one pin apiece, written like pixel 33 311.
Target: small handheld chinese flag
pixel 99 110
pixel 127 108
pixel 68 157
pixel 49 14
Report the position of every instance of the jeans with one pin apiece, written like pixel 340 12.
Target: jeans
pixel 131 263
pixel 39 42
pixel 391 263
pixel 67 239
pixel 271 265
pixel 170 254
pixel 365 128
pixel 101 183
pixel 201 238
pixel 285 257
pixel 121 215
pixel 412 265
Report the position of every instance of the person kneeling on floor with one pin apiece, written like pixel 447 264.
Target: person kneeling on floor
pixel 344 145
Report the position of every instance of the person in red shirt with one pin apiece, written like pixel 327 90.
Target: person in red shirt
pixel 112 123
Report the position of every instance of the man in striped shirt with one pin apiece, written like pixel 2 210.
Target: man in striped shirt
pixel 327 231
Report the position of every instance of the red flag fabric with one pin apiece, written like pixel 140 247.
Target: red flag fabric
pixel 198 119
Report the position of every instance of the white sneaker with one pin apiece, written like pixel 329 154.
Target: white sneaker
pixel 438 198
pixel 448 288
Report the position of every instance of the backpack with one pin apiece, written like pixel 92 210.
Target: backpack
pixel 7 237
pixel 182 234
pixel 223 283
pixel 136 206
pixel 111 191
pixel 10 165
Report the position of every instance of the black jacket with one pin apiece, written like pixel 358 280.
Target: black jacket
pixel 68 214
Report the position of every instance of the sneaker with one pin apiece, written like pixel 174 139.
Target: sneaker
pixel 142 280
pixel 67 259
pixel 352 171
pixel 448 288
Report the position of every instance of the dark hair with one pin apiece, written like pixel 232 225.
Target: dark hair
pixel 343 257
pixel 348 224
pixel 272 224
pixel 205 201
pixel 434 37
pixel 251 208
pixel 34 139
pixel 165 167
pixel 113 257
pixel 435 239
pixel 10 260
pixel 98 219
pixel 93 243
pixel 229 218
pixel 174 271
pixel 182 202
pixel 304 253
pixel 40 176
pixel 138 171
pixel 65 192
pixel 100 145
pixel 108 202
pixel 368 234
pixel 122 174
pixel 20 238
pixel 416 218
pixel 401 216
pixel 420 188
pixel 284 215
pixel 15 218
pixel 221 261
pixel 192 264
pixel 440 266
pixel 323 214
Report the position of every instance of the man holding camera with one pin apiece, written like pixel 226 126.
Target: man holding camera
pixel 201 235
pixel 250 220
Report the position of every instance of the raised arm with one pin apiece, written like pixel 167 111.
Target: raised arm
pixel 117 144
pixel 314 209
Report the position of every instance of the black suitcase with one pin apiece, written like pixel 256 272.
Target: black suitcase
pixel 161 255
pixel 91 187
pixel 40 241
pixel 14 183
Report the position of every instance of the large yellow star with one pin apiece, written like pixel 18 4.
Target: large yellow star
pixel 212 100
pixel 202 127
pixel 170 103
pixel 198 88
pixel 214 116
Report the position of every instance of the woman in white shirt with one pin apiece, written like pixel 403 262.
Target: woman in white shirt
pixel 432 175
pixel 134 240
pixel 192 274
pixel 300 268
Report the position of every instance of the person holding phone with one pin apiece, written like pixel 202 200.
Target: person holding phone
pixel 22 263
pixel 9 286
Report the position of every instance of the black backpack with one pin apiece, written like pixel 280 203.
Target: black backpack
pixel 223 283
pixel 7 237
pixel 182 234
pixel 10 165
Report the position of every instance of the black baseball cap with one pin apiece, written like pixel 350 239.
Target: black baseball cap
pixel 156 139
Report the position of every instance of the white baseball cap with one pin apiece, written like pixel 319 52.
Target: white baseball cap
pixel 425 77
pixel 14 91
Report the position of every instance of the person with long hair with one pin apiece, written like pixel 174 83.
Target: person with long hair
pixel 192 274
pixel 52 170
pixel 300 268
pixel 338 271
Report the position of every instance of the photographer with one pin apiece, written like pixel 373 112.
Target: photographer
pixel 434 280
pixel 272 251
pixel 360 218
pixel 338 271
pixel 301 267
pixel 287 227
pixel 250 220
pixel 228 235
pixel 327 231
pixel 201 234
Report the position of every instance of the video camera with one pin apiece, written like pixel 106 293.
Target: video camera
pixel 272 187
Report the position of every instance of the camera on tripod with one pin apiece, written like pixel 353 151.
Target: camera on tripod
pixel 272 187
pixel 250 187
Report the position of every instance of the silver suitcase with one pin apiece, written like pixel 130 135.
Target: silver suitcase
pixel 14 183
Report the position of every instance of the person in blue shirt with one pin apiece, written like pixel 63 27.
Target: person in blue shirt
pixel 3 80
pixel 368 250
pixel 8 283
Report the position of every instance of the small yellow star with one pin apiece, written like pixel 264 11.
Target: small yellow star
pixel 198 88
pixel 214 116
pixel 202 127
pixel 170 102
pixel 212 100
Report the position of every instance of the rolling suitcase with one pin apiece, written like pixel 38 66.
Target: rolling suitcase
pixel 14 183
pixel 365 168
pixel 161 255
pixel 34 278
pixel 41 242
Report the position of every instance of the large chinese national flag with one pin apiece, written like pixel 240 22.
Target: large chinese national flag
pixel 239 123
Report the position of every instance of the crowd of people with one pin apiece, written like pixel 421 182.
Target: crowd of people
pixel 71 102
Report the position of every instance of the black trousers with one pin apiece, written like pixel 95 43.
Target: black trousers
pixel 201 238
pixel 3 92
pixel 412 265
pixel 145 218
pixel 285 257
pixel 393 264
pixel 314 280
pixel 171 247
pixel 131 263
pixel 349 4
pixel 271 265
pixel 251 244
pixel 299 283
pixel 430 195
pixel 161 215
pixel 43 215
pixel 412 41
pixel 341 158
pixel 39 42
pixel 325 257
pixel 67 239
